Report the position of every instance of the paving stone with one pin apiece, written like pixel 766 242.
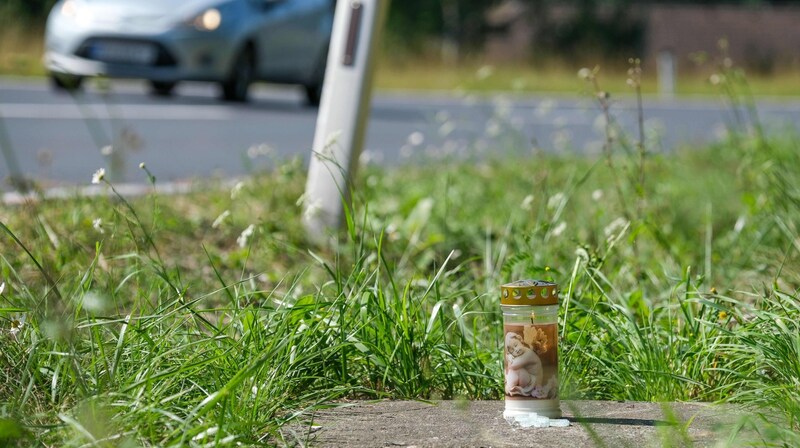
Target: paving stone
pixel 481 424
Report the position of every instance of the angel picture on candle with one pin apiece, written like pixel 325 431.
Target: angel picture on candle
pixel 524 370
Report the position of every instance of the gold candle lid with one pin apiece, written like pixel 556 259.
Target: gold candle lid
pixel 529 292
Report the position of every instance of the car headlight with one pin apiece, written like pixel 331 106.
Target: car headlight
pixel 72 9
pixel 209 20
pixel 75 11
pixel 69 9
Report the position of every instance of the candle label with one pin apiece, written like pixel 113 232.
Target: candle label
pixel 531 361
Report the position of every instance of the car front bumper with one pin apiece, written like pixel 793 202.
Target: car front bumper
pixel 191 58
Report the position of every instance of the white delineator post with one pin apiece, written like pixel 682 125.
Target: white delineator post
pixel 343 113
pixel 666 68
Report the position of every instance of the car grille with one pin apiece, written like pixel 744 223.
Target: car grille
pixel 162 57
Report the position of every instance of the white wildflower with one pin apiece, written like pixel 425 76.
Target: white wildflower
pixel 720 131
pixel 562 140
pixel 527 203
pixel 237 189
pixel 420 283
pixel 585 74
pixel 556 200
pixel 469 100
pixel 333 138
pixel 654 130
pixel 252 151
pixel 502 106
pixel 368 157
pixel 17 323
pixel 615 226
pixel 582 254
pixel 597 195
pixel 142 166
pixel 600 123
pixel 98 176
pixel 493 128
pixel 245 235
pixel 484 72
pixel 207 433
pixel 95 303
pixel 715 79
pixel 416 138
pixel 602 126
pixel 97 225
pixel 727 62
pixel 301 200
pixel 446 129
pixel 263 149
pixel 406 151
pixel 220 219
pixel 738 227
pixel 392 233
pixel 107 150
pixel 559 229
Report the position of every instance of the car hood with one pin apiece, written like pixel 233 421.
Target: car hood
pixel 155 10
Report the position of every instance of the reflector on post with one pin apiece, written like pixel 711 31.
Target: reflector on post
pixel 343 113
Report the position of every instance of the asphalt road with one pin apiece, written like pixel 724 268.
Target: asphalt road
pixel 59 139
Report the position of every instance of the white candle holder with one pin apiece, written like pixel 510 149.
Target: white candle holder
pixel 530 348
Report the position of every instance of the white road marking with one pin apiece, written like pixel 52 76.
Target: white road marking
pixel 32 111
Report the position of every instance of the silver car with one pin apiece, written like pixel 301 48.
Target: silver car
pixel 230 42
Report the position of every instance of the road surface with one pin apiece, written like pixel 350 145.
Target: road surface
pixel 59 139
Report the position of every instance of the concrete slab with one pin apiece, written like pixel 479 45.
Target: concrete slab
pixel 481 424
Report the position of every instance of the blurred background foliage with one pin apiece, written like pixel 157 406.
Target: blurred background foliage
pixel 601 24
pixel 606 28
pixel 462 35
pixel 31 11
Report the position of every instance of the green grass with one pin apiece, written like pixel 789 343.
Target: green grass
pixel 21 49
pixel 422 74
pixel 155 322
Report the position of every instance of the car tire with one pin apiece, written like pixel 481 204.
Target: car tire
pixel 313 95
pixel 241 76
pixel 161 88
pixel 314 91
pixel 65 83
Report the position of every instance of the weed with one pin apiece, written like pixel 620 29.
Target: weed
pixel 158 322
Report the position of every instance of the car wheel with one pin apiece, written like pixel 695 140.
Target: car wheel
pixel 160 88
pixel 65 82
pixel 241 76
pixel 314 91
pixel 313 95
